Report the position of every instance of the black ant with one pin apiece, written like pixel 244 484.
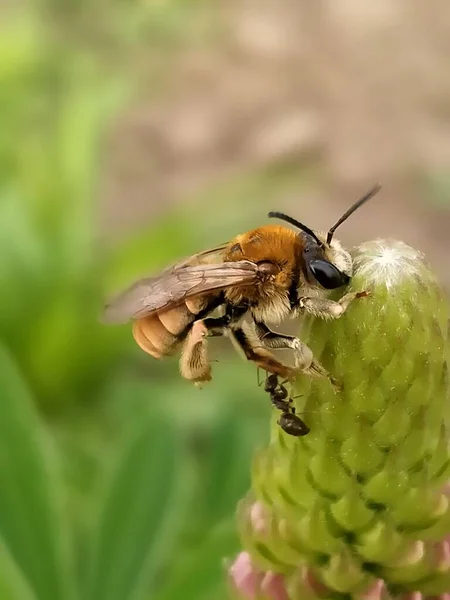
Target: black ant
pixel 289 422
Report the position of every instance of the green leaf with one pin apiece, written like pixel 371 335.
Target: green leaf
pixel 13 583
pixel 90 101
pixel 19 48
pixel 200 570
pixel 21 264
pixel 226 477
pixel 133 531
pixel 31 524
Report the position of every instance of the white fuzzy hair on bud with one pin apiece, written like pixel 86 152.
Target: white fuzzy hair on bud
pixel 387 262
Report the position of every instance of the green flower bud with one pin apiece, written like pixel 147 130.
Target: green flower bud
pixel 359 506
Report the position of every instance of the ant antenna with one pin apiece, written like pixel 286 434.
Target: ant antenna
pixel 295 223
pixel 257 376
pixel 370 194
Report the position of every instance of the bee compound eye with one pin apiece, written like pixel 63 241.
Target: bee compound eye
pixel 327 274
pixel 268 268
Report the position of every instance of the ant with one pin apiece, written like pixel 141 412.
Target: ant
pixel 289 422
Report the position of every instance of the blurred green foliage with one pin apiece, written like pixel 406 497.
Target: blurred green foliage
pixel 118 480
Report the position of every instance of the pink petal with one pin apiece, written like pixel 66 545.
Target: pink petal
pixel 411 596
pixel 373 592
pixel 273 585
pixel 442 555
pixel 310 580
pixel 245 577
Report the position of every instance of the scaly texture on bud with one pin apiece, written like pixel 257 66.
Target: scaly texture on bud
pixel 359 507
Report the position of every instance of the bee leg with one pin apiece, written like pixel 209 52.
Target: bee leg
pixel 217 326
pixel 303 355
pixel 261 356
pixel 304 360
pixel 329 309
pixel 194 364
pixel 212 327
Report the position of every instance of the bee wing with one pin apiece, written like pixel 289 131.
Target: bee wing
pixel 174 286
pixel 213 255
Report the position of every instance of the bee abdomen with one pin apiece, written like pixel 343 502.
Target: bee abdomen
pixel 152 337
pixel 176 320
pixel 160 334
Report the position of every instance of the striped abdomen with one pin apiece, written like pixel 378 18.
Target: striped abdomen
pixel 162 333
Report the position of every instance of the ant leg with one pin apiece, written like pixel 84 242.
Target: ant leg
pixel 291 404
pixel 258 369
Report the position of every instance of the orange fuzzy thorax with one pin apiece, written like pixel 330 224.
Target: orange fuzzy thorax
pixel 272 243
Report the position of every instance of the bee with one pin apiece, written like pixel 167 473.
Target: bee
pixel 289 422
pixel 265 275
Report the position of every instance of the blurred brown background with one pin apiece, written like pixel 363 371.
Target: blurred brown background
pixel 340 93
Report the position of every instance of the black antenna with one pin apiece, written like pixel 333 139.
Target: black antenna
pixel 283 217
pixel 370 194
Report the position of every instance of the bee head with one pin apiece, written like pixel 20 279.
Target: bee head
pixel 330 265
pixel 326 261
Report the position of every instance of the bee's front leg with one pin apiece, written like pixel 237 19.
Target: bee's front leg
pixel 329 309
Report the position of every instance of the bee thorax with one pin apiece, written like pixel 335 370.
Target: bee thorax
pixel 273 308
